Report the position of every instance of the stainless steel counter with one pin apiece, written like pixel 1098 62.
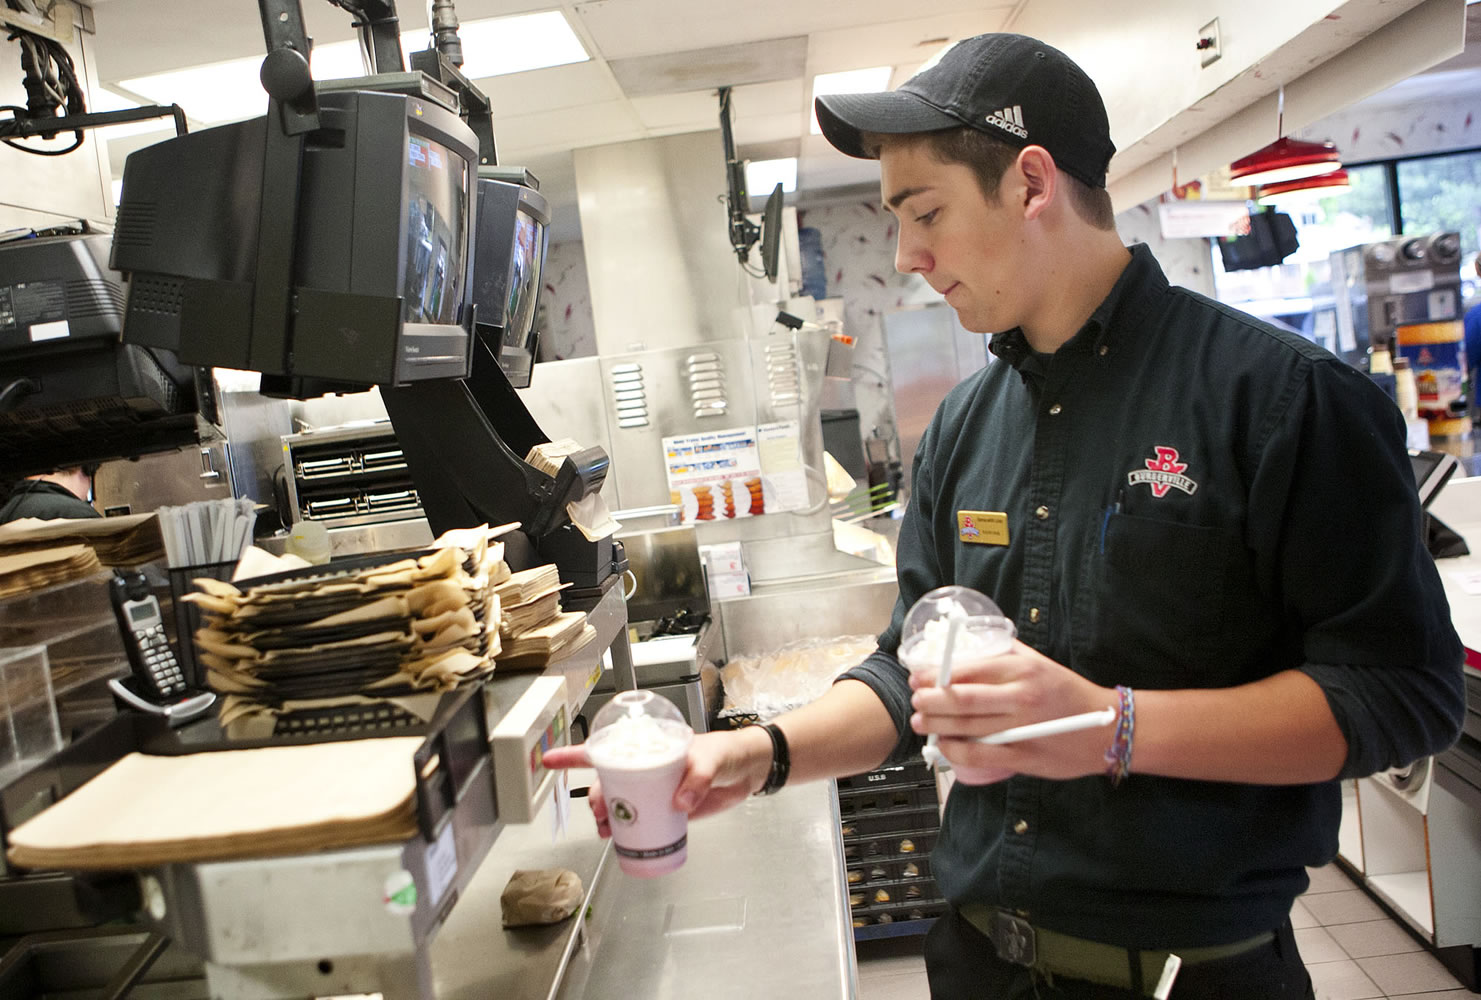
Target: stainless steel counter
pixel 758 910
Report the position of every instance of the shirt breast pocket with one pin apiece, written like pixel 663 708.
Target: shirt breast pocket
pixel 1151 608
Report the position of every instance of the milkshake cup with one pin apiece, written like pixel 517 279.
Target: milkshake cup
pixel 949 629
pixel 639 745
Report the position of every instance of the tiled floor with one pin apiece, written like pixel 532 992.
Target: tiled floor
pixel 1353 950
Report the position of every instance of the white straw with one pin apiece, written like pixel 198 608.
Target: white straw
pixel 1052 727
pixel 929 753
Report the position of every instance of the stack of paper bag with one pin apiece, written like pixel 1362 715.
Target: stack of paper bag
pixel 533 631
pixel 118 541
pixel 404 630
pixel 151 810
pixel 22 572
pixel 563 634
pixel 529 599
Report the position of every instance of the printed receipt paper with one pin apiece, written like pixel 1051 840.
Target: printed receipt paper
pixel 148 810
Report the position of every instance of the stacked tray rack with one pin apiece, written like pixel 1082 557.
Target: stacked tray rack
pixel 890 819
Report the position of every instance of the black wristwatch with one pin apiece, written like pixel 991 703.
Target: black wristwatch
pixel 781 760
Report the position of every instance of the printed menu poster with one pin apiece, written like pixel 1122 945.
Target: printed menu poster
pixel 728 473
pixel 782 471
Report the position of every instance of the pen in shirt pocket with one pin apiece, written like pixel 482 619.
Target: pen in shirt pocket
pixel 1105 520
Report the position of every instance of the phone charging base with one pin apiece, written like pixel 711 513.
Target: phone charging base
pixel 177 711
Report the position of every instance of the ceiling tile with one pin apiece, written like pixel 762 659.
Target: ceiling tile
pixel 907 44
pixel 769 128
pixel 769 98
pixel 711 68
pixel 622 29
pixel 569 86
pixel 685 112
pixel 566 128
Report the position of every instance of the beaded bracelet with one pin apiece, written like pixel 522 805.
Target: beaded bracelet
pixel 1118 754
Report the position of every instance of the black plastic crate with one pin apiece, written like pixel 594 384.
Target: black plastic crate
pixel 909 773
pixel 890 821
pixel 886 798
pixel 908 844
pixel 897 870
pixel 876 894
pixel 898 913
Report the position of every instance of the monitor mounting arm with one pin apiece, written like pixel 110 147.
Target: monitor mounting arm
pixel 743 232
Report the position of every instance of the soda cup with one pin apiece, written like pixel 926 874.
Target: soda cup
pixel 639 745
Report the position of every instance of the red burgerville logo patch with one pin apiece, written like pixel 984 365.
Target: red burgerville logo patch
pixel 1163 473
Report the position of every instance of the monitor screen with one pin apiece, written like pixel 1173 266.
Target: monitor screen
pixel 435 247
pixel 524 280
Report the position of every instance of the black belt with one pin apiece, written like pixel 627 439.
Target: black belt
pixel 1019 942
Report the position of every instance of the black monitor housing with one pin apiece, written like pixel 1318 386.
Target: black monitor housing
pixel 329 246
pixel 511 235
pixel 1271 239
pixel 70 392
pixel 381 265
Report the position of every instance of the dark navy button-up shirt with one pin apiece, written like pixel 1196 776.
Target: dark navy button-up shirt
pixel 1194 499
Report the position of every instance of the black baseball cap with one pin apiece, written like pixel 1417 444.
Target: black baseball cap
pixel 1012 87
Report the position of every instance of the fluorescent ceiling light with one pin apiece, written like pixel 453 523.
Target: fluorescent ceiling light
pixel 762 176
pixel 211 94
pixel 500 45
pixel 230 91
pixel 853 81
pixel 492 46
pixel 339 60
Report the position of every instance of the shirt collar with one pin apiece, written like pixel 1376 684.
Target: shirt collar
pixel 1139 282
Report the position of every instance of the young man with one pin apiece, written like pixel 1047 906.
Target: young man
pixel 63 493
pixel 1202 522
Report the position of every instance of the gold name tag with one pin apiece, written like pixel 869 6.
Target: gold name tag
pixel 982 527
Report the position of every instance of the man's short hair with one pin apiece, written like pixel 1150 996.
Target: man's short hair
pixel 989 159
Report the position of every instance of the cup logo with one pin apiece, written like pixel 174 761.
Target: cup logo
pixel 622 811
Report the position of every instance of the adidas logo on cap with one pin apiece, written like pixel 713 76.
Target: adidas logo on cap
pixel 1009 120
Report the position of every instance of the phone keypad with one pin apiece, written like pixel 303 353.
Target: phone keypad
pixel 160 661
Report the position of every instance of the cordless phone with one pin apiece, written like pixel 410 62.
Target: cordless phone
pixel 157 673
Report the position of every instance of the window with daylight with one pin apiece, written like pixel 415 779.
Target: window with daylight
pixel 1287 293
pixel 1439 194
pixel 1402 197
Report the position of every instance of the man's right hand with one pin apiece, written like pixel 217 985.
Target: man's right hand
pixel 724 768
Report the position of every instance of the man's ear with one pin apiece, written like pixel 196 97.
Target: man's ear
pixel 1040 179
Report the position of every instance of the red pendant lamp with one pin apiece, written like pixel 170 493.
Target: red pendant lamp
pixel 1286 160
pixel 1320 186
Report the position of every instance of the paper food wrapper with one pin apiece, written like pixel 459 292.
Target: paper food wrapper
pixel 592 518
pixel 543 896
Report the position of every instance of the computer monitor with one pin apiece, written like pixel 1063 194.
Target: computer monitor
pixel 1432 470
pixel 511 236
pixel 70 392
pixel 1271 239
pixel 381 264
pixel 771 233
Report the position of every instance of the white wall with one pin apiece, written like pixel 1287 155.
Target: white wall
pixel 1370 131
pixel 568 330
pixel 1142 55
pixel 1317 83
pixel 858 240
pixel 42 191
